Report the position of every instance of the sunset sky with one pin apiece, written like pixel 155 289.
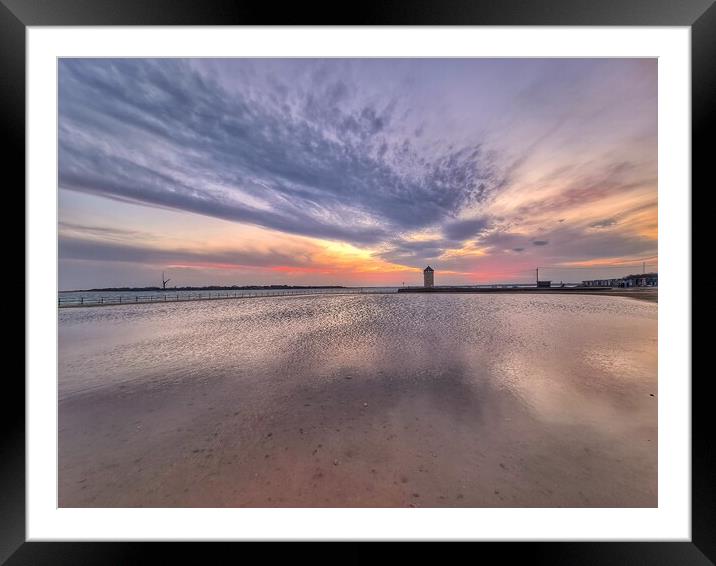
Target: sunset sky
pixel 355 171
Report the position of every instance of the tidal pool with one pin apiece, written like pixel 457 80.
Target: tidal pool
pixel 441 400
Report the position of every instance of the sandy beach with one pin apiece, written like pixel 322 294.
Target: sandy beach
pixel 360 401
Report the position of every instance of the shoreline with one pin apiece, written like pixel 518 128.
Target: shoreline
pixel 649 295
pixel 116 301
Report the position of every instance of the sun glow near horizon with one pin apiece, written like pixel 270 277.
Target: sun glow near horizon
pixel 354 172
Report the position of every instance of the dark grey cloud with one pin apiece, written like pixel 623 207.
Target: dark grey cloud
pixel 320 163
pixel 464 229
pixel 565 243
pixel 605 223
pixel 503 239
pixel 577 244
pixel 414 253
pixel 78 248
pixel 418 252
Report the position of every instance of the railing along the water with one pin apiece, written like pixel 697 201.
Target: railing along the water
pixel 164 297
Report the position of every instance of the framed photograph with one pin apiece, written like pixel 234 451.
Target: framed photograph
pixel 291 276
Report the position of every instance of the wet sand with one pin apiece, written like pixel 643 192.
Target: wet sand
pixel 340 416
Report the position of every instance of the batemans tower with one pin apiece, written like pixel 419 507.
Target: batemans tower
pixel 428 276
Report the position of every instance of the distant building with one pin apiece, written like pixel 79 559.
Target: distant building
pixel 603 283
pixel 544 283
pixel 428 277
pixel 642 280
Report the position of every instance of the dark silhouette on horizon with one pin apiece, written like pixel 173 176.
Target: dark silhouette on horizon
pixel 209 288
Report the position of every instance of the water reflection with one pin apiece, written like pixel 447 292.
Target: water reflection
pixel 460 393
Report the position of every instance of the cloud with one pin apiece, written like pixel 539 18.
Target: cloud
pixel 103 232
pixel 605 223
pixel 594 181
pixel 477 169
pixel 323 163
pixel 465 229
pixel 77 248
pixel 414 253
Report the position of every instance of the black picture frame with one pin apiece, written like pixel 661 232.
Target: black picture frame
pixel 17 15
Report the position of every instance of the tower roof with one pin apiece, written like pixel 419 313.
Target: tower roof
pixel 428 268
